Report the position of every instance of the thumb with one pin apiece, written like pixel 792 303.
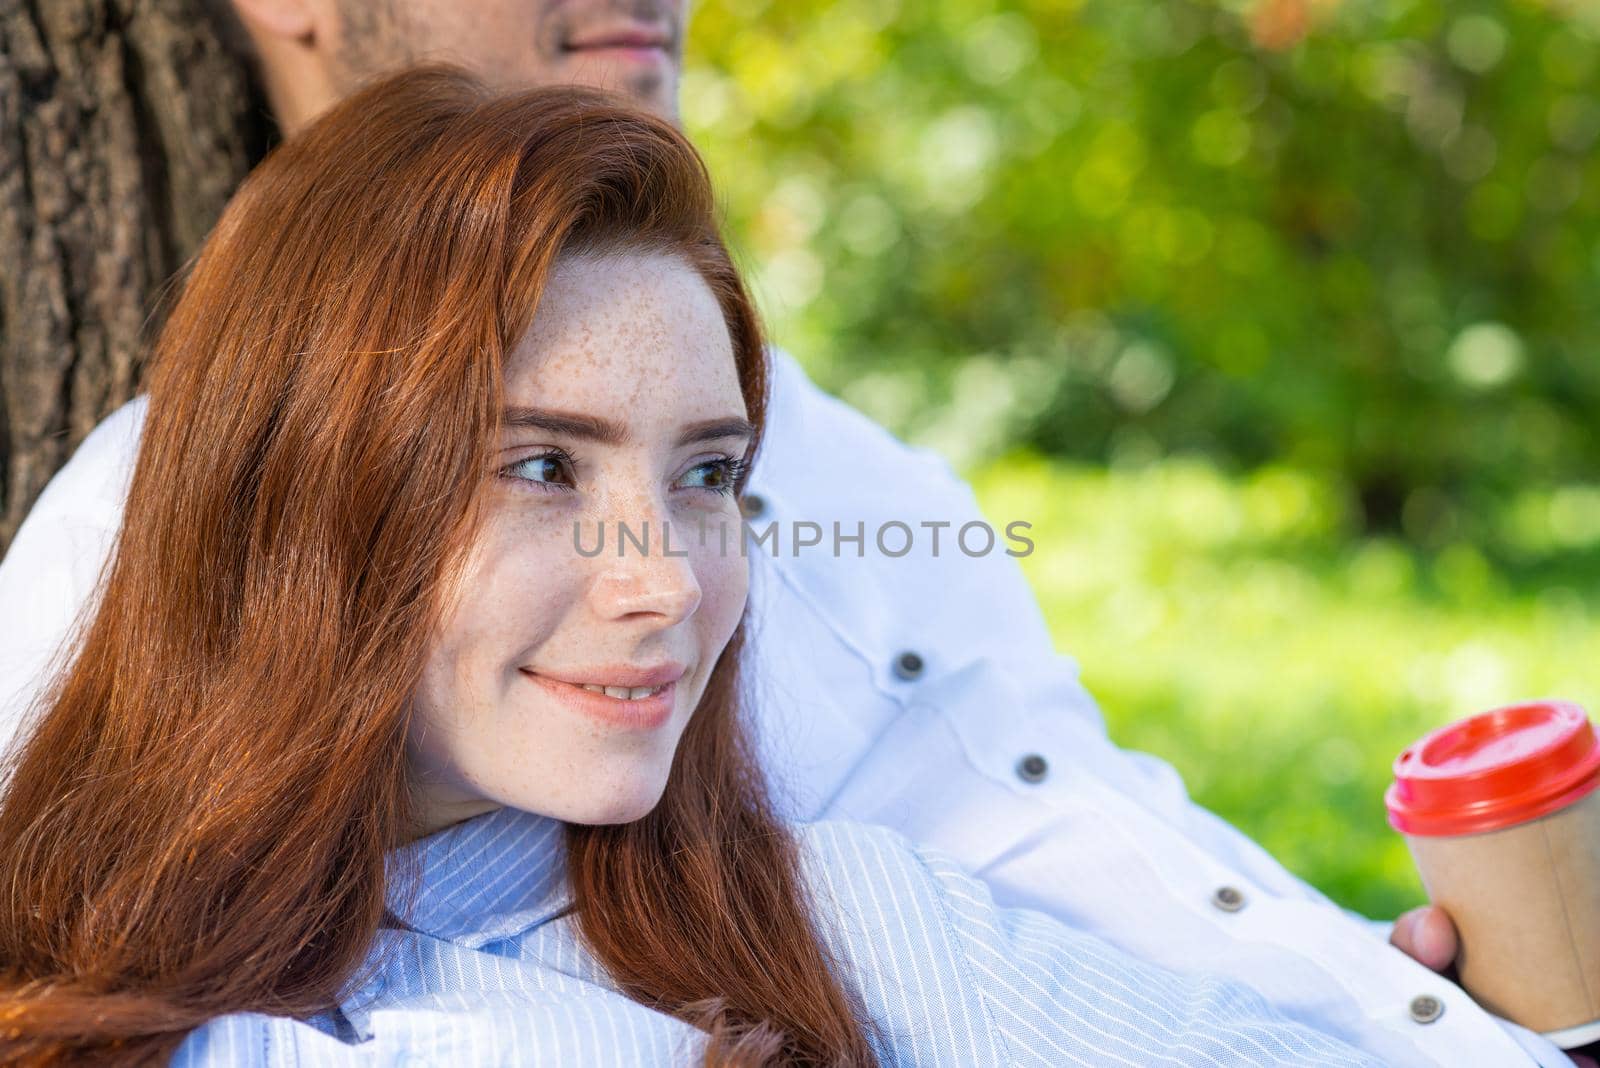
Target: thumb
pixel 1427 936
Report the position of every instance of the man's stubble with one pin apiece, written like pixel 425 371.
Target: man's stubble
pixel 373 41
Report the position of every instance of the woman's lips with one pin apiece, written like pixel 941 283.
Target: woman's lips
pixel 643 713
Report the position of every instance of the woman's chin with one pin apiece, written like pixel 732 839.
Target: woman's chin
pixel 614 807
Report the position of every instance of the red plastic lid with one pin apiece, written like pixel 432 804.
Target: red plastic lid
pixel 1496 769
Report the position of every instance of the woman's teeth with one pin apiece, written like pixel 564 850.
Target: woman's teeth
pixel 627 693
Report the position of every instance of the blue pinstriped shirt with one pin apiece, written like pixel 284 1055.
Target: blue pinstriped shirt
pixel 492 973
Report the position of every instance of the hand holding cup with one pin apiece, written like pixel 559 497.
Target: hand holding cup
pixel 1501 812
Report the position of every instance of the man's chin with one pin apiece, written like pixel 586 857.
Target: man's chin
pixel 653 89
pixel 660 97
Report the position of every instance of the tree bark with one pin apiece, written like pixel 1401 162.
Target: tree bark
pixel 125 125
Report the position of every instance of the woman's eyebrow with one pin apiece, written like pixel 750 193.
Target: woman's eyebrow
pixel 567 424
pixel 713 429
pixel 594 428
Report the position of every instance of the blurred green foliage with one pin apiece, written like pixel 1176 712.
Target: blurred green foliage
pixel 1312 282
pixel 1354 237
pixel 1236 628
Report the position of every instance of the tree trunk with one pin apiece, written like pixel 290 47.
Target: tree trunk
pixel 125 125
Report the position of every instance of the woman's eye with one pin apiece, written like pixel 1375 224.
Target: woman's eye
pixel 719 475
pixel 547 472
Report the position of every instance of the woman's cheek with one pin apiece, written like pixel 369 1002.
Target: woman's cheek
pixel 533 543
pixel 518 584
pixel 724 579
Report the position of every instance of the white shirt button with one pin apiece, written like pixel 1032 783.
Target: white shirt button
pixel 1425 1008
pixel 908 665
pixel 1033 768
pixel 1228 898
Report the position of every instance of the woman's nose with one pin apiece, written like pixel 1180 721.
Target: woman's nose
pixel 644 571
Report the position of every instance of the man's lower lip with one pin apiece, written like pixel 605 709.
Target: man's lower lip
pixel 646 713
pixel 626 53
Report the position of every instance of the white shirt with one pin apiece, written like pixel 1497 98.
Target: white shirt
pixel 983 745
pixel 490 969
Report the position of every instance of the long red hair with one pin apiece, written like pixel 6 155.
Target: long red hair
pixel 199 820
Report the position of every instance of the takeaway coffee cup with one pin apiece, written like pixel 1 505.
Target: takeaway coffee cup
pixel 1502 814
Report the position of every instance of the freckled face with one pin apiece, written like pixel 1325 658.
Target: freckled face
pixel 623 407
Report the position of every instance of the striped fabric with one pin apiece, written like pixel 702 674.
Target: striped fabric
pixel 490 972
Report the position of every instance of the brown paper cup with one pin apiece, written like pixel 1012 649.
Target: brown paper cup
pixel 1526 902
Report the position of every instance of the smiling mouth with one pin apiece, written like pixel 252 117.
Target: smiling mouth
pixel 625 693
pixel 619 679
pixel 631 708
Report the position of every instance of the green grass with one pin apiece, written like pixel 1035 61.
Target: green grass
pixel 1235 627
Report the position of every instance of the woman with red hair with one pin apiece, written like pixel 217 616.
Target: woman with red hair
pixel 363 756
